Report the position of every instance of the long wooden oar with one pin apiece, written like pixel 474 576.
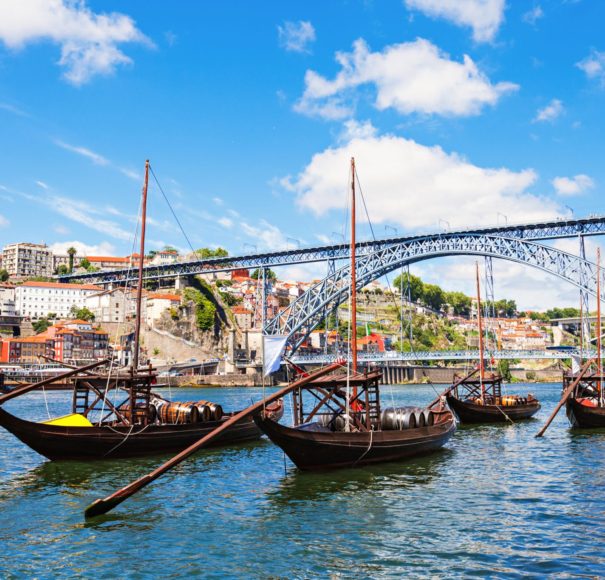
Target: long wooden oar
pixel 65 375
pixel 565 396
pixel 102 506
pixel 451 388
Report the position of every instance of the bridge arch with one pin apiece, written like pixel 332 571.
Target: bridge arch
pixel 306 312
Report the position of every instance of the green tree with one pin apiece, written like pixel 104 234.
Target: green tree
pixel 460 303
pixel 71 252
pixel 62 269
pixel 205 253
pixel 81 313
pixel 504 370
pixel 269 274
pixel 434 296
pixel 416 286
pixel 41 325
pixel 4 275
pixel 85 263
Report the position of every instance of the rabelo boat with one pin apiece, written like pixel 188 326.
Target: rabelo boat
pixel 479 399
pixel 338 418
pixel 132 419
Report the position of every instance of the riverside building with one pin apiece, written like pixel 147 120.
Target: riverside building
pixel 36 300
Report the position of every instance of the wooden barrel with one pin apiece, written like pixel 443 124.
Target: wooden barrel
pixel 178 413
pixel 204 412
pixel 216 411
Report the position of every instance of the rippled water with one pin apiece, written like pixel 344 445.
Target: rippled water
pixel 496 502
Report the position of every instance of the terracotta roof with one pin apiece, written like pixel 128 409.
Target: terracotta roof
pixel 34 284
pixel 240 310
pixel 115 259
pixel 172 297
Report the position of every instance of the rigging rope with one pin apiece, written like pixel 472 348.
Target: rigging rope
pixel 172 210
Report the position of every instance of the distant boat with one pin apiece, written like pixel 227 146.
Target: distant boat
pixel 585 405
pixel 479 399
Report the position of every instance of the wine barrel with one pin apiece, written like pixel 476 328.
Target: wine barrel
pixel 216 411
pixel 398 418
pixel 204 412
pixel 178 413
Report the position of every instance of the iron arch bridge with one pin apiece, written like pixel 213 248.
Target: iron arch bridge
pixel 304 314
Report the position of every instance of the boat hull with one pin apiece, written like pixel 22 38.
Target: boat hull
pixel 583 416
pixel 471 413
pixel 322 450
pixel 115 442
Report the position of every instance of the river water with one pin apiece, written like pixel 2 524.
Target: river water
pixel 495 502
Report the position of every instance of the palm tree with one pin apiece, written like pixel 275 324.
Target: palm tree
pixel 71 252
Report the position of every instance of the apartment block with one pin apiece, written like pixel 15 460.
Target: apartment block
pixel 36 300
pixel 26 260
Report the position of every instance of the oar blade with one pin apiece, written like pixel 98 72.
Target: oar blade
pixel 102 506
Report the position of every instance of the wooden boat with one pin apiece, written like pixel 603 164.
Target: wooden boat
pixel 115 440
pixel 479 399
pixel 473 405
pixel 346 426
pixel 325 439
pixel 131 420
pixel 585 404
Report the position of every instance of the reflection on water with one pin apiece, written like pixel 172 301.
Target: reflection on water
pixel 495 502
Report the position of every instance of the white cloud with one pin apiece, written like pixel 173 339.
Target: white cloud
pixel 483 16
pixel 415 186
pixel 218 201
pixel 84 152
pixel 533 15
pixel 267 236
pixel 594 66
pixel 89 42
pixel 552 111
pixel 353 129
pixel 12 109
pixel 3 221
pixel 130 173
pixel 225 222
pixel 296 36
pixel 83 249
pixel 41 184
pixel 413 77
pixel 568 186
pixel 531 288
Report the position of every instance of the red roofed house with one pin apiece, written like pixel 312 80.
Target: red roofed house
pixel 243 316
pixel 158 303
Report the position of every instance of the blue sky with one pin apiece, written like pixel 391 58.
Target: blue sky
pixel 458 111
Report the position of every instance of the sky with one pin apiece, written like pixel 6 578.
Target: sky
pixel 458 113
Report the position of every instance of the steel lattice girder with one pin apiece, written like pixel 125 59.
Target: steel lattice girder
pixel 396 356
pixel 305 313
pixel 539 231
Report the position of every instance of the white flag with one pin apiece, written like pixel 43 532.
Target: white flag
pixel 576 364
pixel 273 347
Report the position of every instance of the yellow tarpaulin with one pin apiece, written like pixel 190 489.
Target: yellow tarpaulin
pixel 73 420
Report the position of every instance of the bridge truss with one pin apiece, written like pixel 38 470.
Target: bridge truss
pixel 304 314
pixel 591 226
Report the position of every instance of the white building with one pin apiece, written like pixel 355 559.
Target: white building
pixel 115 305
pixel 159 303
pixel 7 300
pixel 26 260
pixel 38 299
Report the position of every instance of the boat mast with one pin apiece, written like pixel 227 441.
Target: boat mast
pixel 598 328
pixel 481 361
pixel 353 275
pixel 137 327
